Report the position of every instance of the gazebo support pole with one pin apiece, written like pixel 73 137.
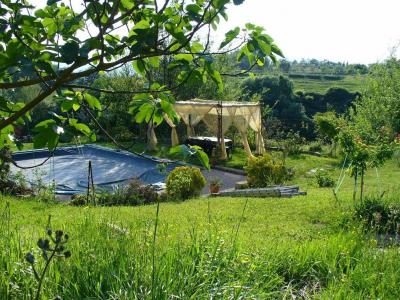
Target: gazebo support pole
pixel 221 144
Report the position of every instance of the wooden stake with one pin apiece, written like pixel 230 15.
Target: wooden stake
pixel 362 185
pixel 355 185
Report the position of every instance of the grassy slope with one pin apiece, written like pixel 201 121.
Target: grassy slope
pixel 351 83
pixel 286 246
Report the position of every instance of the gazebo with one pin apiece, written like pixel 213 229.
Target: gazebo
pixel 218 117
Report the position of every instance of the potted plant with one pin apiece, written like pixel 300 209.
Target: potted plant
pixel 215 185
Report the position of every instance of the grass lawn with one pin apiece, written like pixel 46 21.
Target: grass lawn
pixel 217 248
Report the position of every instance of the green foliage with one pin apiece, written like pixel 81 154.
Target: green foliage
pixel 324 179
pixel 135 193
pixel 184 183
pixel 51 48
pixel 327 125
pixel 79 200
pixel 191 153
pixel 11 184
pixel 379 106
pixel 365 149
pixel 379 215
pixel 292 143
pixel 263 171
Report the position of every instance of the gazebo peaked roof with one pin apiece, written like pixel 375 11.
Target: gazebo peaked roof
pixel 242 115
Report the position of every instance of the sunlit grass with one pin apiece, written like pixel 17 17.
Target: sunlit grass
pixel 306 246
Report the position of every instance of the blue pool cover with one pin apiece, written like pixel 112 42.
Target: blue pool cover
pixel 67 169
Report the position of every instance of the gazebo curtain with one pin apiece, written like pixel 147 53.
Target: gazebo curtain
pixel 242 115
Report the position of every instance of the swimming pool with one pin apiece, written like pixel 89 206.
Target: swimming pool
pixel 67 169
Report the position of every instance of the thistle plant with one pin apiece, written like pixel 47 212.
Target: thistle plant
pixel 50 247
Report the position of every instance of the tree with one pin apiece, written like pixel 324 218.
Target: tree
pixel 328 127
pixel 61 43
pixel 284 66
pixel 277 94
pixel 379 105
pixel 364 149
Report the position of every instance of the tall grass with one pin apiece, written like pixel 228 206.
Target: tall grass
pixel 116 258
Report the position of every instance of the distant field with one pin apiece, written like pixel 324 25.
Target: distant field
pixel 351 83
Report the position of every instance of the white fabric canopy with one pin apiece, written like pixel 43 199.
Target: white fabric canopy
pixel 242 115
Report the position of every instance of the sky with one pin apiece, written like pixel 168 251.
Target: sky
pixel 353 31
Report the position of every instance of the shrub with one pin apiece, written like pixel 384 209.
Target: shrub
pixel 292 144
pixel 12 184
pixel 263 171
pixel 184 183
pixel 78 200
pixel 135 193
pixel 324 179
pixel 142 193
pixel 379 215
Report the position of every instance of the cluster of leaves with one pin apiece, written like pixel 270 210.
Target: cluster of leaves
pixel 365 149
pixel 191 154
pixel 379 107
pixel 263 171
pixel 184 183
pixel 58 44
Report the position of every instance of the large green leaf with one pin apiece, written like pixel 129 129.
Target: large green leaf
pixel 70 103
pixel 83 128
pixel 191 152
pixel 47 134
pixel 139 67
pixel 92 101
pixel 69 52
pixel 230 36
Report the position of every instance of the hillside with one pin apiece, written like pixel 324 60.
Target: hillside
pixel 351 83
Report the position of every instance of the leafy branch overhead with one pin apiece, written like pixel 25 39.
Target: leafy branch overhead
pixel 56 45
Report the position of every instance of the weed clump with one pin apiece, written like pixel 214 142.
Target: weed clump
pixel 324 179
pixel 379 215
